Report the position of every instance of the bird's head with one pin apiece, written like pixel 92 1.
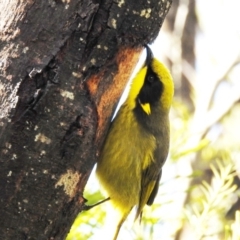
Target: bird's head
pixel 152 85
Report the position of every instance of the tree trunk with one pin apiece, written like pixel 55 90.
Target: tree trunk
pixel 63 67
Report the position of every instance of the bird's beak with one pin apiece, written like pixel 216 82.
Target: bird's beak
pixel 149 56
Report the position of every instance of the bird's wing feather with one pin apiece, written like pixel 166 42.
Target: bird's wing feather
pixel 149 186
pixel 151 177
pixel 155 190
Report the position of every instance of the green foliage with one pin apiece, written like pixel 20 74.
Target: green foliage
pixel 87 222
pixel 233 230
pixel 205 214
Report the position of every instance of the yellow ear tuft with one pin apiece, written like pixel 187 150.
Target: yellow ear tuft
pixel 146 108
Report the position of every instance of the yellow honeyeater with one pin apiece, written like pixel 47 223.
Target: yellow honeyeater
pixel 137 144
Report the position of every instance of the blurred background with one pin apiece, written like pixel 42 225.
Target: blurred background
pixel 199 194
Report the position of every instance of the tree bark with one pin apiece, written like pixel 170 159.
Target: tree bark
pixel 63 67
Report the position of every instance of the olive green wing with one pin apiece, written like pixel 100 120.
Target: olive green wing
pixel 155 190
pixel 152 175
pixel 149 186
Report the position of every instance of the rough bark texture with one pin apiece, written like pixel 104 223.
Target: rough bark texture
pixel 63 66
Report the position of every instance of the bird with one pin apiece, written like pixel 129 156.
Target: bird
pixel 136 146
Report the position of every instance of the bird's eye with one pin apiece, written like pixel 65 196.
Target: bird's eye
pixel 150 78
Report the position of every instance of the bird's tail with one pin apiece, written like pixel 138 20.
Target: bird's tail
pixel 118 229
pixel 123 217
